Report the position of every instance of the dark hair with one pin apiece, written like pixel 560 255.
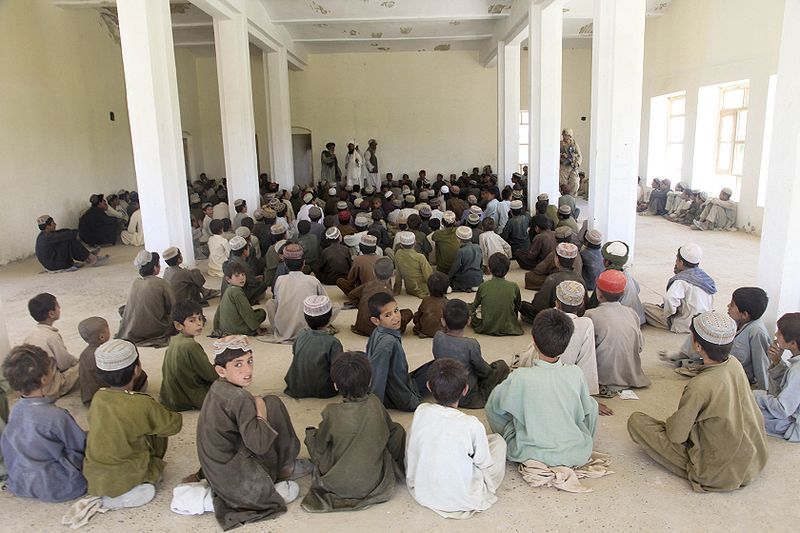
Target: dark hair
pixel 294 264
pixel 186 309
pixel 542 222
pixel 684 261
pixel 239 208
pixel 434 224
pixel 40 305
pixel 789 326
pixel 91 328
pixel 117 378
pixel 329 145
pixel 447 378
pixel 414 221
pixel 316 322
pixel 149 268
pixel 488 224
pixel 174 261
pixel 565 262
pixel 366 250
pixel 499 264
pixel 216 226
pixel 377 302
pixel 231 268
pixel 715 352
pixel 304 226
pixel 25 366
pixel 226 224
pixel 456 314
pixel 541 206
pixel 751 300
pixel 383 269
pixel 552 331
pixel 438 283
pixel 574 309
pixel 248 223
pixel 352 374
pixel 229 355
pixel 46 223
pixel 611 297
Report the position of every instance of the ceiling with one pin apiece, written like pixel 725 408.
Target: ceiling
pixel 344 26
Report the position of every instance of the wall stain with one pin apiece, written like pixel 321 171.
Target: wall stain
pixel 441 47
pixel 317 8
pixel 405 30
pixel 377 34
pixel 496 9
pixel 388 4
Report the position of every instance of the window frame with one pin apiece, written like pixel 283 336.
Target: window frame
pixel 734 114
pixel 670 143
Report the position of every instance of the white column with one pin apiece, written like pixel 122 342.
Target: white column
pixel 276 72
pixel 779 260
pixel 236 110
pixel 617 69
pixel 507 111
pixel 151 85
pixel 544 52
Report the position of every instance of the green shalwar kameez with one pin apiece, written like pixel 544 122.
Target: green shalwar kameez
pixel 358 452
pixel 234 316
pixel 309 375
pixel 498 301
pixel 186 374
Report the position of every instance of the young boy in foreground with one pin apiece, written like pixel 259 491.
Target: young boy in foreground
pixel 246 444
pixel 716 437
pixel 42 444
pixel 45 310
pixel 453 467
pixel 391 381
pixel 357 449
pixel 186 374
pixel 545 412
pixel 128 432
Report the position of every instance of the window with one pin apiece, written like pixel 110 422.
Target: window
pixel 676 117
pixel 732 130
pixel 524 127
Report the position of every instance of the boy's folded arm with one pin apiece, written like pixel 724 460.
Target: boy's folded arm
pixel 257 435
pixel 164 422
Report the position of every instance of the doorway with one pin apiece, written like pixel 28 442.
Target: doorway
pixel 301 157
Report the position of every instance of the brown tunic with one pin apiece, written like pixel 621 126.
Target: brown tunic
pixel 428 318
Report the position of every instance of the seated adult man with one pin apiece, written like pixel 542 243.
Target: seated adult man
pixel 689 292
pixel 59 249
pixel 95 227
pixel 546 296
pixel 716 438
pixel 718 213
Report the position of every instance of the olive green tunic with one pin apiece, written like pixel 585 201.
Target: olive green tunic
pixel 186 374
pixel 309 375
pixel 234 316
pixel 498 301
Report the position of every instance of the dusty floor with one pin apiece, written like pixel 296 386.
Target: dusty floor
pixel 639 496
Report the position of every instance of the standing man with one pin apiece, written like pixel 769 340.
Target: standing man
pixel 570 161
pixel 371 161
pixel 330 165
pixel 352 165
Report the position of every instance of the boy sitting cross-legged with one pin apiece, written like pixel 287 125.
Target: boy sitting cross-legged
pixel 453 467
pixel 358 450
pixel 42 444
pixel 246 444
pixel 186 373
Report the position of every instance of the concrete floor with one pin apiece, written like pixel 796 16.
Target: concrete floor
pixel 639 496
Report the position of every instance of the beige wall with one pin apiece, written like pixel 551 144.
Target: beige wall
pixel 60 76
pixel 428 110
pixel 698 43
pixel 576 94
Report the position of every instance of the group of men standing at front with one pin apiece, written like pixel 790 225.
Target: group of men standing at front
pixel 358 169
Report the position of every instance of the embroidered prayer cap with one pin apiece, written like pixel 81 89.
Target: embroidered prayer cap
pixel 315 212
pixel 270 214
pixel 594 237
pixel 206 205
pixel 476 209
pixel 316 305
pixel 307 197
pixel 407 238
pixel 449 217
pixel 332 191
pixel 563 232
pixel 423 195
pixel 473 218
pixel 292 251
pixel 727 190
pixel 362 220
pixel 369 240
pixel 332 233
pixel 516 194
pixel 170 252
pixel 372 141
pixel 358 201
pixel 258 214
pixel 691 253
pixel 565 210
pixel 194 198
pixel 612 282
pixel 425 210
pixel 410 198
pixel 231 342
pixel 243 232
pixel 142 258
pixel 42 219
pixel 341 205
pixel 237 243
pixel 435 202
pixel 472 199
pixel 544 197
pixel 403 220
pixel 238 202
pixel 455 189
pixel 703 195
pixel 397 202
pixel 115 354
pixel 387 194
pixel 278 229
pixel 464 233
pixel 273 203
pixel 716 328
pixel 349 188
pixel 516 204
pixel 567 250
pixel 444 189
pixel 570 292
pixel 280 207
pixel 615 252
pixel 406 190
